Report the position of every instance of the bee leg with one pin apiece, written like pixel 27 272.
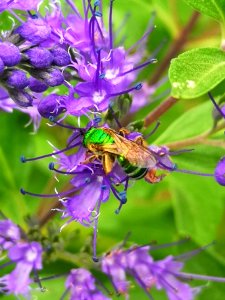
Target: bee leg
pixel 107 162
pixel 140 141
pixel 151 176
pixel 124 131
pixel 90 159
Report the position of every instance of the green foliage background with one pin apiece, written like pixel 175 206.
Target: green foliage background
pixel 182 205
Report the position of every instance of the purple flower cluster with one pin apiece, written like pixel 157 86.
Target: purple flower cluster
pixel 22 53
pixel 39 47
pixel 26 256
pixel 136 262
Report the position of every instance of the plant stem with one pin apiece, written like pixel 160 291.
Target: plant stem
pixel 200 139
pixel 160 110
pixel 175 48
pixel 80 260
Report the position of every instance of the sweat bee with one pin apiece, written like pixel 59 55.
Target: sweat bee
pixel 134 157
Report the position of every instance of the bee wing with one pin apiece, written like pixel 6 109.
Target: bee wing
pixel 136 154
pixel 140 156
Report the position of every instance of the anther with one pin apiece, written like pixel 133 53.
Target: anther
pixel 138 86
pixel 102 76
pixel 22 191
pixel 96 3
pixel 95 259
pixel 51 166
pixel 123 197
pixel 51 118
pixel 97 120
pixel 98 14
pixel 23 159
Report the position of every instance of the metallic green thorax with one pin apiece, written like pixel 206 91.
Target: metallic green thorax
pixel 97 136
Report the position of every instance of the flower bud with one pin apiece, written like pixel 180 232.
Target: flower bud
pixel 37 86
pixel 53 77
pixel 2 66
pixel 60 57
pixel 18 79
pixel 20 97
pixel 35 31
pixel 40 57
pixel 52 105
pixel 10 54
pixel 220 172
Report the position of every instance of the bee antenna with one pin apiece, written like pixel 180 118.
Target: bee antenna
pixel 153 130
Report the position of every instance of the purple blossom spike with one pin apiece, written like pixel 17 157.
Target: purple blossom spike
pixel 27 257
pixel 9 54
pixel 220 172
pixel 9 234
pixel 163 274
pixel 113 265
pixel 81 285
pixel 35 31
pixel 40 57
pixel 18 79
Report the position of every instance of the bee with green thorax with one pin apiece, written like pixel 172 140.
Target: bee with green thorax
pixel 109 145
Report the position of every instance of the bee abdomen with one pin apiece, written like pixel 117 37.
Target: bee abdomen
pixel 132 171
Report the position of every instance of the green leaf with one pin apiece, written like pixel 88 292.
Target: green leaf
pixel 195 198
pixel 212 8
pixel 192 123
pixel 196 72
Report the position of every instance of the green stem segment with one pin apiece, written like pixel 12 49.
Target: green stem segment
pixel 200 139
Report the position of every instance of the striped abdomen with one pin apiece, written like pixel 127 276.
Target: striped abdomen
pixel 134 172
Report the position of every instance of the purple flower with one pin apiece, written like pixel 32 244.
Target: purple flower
pixel 220 172
pixel 24 4
pixel 8 105
pixel 113 265
pixel 81 285
pixel 27 257
pixel 163 274
pixel 94 190
pixel 9 234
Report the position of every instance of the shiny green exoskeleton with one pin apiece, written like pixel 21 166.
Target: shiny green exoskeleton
pixel 108 145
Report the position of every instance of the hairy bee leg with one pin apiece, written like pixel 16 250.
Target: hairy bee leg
pixel 107 162
pixel 124 131
pixel 151 176
pixel 90 159
pixel 141 141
